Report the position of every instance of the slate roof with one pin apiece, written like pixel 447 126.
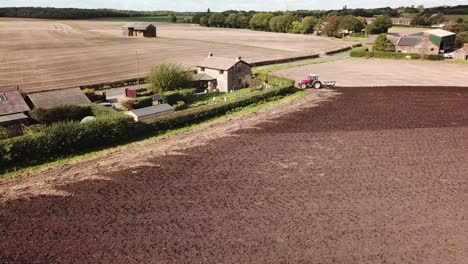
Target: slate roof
pixel 49 99
pixel 410 41
pixel 138 26
pixel 203 77
pixel 220 63
pixel 12 117
pixel 13 104
pixel 157 109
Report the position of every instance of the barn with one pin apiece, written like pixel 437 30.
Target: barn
pixel 145 30
pixel 444 40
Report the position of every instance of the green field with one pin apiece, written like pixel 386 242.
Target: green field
pixel 145 18
pixel 455 17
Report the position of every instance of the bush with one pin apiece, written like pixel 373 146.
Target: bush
pixel 60 114
pixel 92 96
pixel 4 133
pixel 382 43
pixel 393 55
pixel 168 77
pixel 358 52
pixel 434 57
pixel 142 102
pixel 181 105
pixel 186 95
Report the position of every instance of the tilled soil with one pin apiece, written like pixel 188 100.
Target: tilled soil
pixel 376 175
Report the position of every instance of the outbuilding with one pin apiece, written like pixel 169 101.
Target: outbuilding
pixel 461 54
pixel 50 99
pixel 229 73
pixel 12 111
pixel 145 30
pixel 146 113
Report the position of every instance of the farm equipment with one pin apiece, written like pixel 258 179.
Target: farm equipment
pixel 314 82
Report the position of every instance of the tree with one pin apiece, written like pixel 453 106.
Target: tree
pixel 167 77
pixel 308 25
pixel 217 20
pixel 351 23
pixel 297 27
pixel 231 20
pixel 331 26
pixel 382 43
pixel 380 25
pixel 204 21
pixel 461 39
pixel 261 21
pixel 242 21
pixel 173 18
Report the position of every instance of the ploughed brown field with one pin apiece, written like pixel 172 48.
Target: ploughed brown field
pixel 50 54
pixel 372 175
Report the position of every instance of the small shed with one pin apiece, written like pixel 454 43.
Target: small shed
pixel 143 114
pixel 145 30
pixel 50 99
pixel 12 108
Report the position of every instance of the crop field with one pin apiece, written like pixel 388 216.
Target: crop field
pixel 377 72
pixel 46 54
pixel 370 175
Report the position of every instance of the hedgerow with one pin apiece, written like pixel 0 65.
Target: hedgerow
pixel 60 114
pixel 185 95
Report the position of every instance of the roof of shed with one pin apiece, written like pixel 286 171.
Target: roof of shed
pixel 13 104
pixel 156 109
pixel 220 63
pixel 440 32
pixel 12 117
pixel 49 99
pixel 138 26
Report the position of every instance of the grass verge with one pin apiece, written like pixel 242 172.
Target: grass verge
pixel 89 155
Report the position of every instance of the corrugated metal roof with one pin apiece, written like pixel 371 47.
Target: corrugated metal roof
pixel 72 96
pixel 220 63
pixel 138 26
pixel 410 41
pixel 14 103
pixel 157 109
pixel 440 32
pixel 12 117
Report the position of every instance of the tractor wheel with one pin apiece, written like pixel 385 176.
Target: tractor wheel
pixel 304 86
pixel 317 85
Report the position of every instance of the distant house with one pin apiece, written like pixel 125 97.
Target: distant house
pixel 228 73
pixel 146 113
pixel 461 54
pixel 401 21
pixel 49 99
pixel 146 30
pixel 12 109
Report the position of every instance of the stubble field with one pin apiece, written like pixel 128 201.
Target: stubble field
pixel 46 54
pixel 371 175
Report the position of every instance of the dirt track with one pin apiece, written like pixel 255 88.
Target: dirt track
pixel 378 175
pixel 49 54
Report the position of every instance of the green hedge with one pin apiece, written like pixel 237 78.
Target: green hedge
pixel 142 102
pixel 358 52
pixel 60 114
pixel 185 95
pixel 434 57
pixel 111 127
pixel 393 55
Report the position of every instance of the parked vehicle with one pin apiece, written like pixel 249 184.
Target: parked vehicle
pixel 106 104
pixel 448 56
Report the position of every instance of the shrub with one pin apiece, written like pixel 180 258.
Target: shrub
pixel 382 43
pixel 61 114
pixel 181 105
pixel 434 57
pixel 144 92
pixel 358 52
pixel 186 95
pixel 393 55
pixel 4 133
pixel 32 129
pixel 168 77
pixel 142 102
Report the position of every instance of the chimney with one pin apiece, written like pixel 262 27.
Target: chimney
pixel 210 54
pixel 239 58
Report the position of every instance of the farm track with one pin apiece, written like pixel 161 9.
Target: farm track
pixel 43 55
pixel 371 175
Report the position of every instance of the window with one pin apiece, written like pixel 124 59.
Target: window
pixel 202 69
pixel 221 71
pixel 3 97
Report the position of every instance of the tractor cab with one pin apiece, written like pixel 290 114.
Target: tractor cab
pixel 313 77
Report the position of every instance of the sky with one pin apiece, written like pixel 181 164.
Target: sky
pixel 217 5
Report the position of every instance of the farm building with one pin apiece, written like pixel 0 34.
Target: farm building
pixel 49 99
pixel 443 39
pixel 143 114
pixel 146 30
pixel 223 74
pixel 12 108
pixel 461 54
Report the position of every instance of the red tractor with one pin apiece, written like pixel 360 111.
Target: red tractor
pixel 311 82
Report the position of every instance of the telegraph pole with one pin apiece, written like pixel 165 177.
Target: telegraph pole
pixel 138 69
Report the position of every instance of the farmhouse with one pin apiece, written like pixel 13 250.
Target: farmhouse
pixel 12 108
pixel 146 113
pixel 401 21
pixel 49 99
pixel 146 30
pixel 224 74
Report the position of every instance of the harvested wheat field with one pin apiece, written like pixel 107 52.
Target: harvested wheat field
pixel 45 54
pixel 370 175
pixel 381 72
